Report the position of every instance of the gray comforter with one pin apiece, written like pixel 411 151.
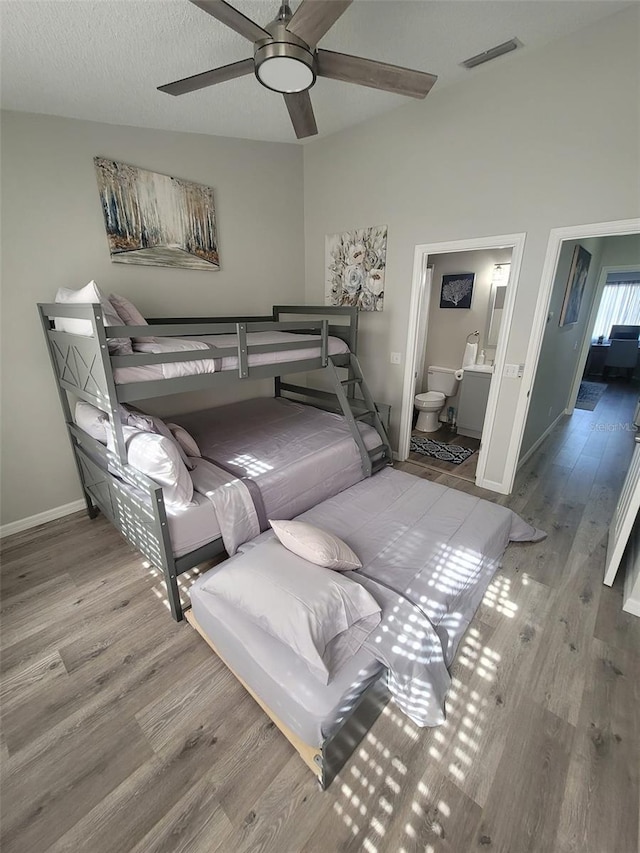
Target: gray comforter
pixel 288 455
pixel 428 555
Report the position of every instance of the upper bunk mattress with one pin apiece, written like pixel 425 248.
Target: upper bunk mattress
pixel 297 454
pixel 172 370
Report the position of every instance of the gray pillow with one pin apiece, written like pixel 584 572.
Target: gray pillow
pixel 323 616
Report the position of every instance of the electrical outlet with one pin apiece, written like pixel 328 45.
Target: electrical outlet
pixel 396 358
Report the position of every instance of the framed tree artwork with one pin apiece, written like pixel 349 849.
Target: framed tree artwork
pixel 457 290
pixel 156 220
pixel 578 272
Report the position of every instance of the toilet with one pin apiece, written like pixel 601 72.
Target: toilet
pixel 442 383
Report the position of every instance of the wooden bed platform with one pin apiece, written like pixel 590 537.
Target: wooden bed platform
pixel 328 758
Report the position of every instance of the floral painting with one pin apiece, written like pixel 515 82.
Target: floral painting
pixel 355 267
pixel 155 219
pixel 457 290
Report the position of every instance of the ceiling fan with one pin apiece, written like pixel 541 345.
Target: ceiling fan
pixel 286 59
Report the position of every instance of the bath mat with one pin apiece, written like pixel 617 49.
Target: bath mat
pixel 589 395
pixel 453 453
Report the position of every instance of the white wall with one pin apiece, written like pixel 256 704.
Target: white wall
pixel 544 139
pixel 53 235
pixel 449 327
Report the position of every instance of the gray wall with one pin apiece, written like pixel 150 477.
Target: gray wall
pixel 621 251
pixel 449 327
pixel 561 345
pixel 523 145
pixel 53 235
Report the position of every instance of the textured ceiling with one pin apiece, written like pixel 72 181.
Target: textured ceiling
pixel 103 59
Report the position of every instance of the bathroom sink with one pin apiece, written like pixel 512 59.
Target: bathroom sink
pixel 480 368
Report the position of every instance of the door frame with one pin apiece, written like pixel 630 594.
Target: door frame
pixel 419 318
pixel 557 236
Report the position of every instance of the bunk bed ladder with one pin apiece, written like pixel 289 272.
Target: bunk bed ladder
pixel 364 409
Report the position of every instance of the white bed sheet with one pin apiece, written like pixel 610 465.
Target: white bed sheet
pixel 189 528
pixel 150 372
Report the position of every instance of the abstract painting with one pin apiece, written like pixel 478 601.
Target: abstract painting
pixel 574 291
pixel 157 220
pixel 355 266
pixel 457 290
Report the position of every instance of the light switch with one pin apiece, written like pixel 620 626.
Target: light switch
pixel 511 371
pixel 396 358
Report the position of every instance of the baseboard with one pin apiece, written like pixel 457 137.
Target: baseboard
pixel 41 518
pixel 537 444
pixel 632 605
pixel 492 486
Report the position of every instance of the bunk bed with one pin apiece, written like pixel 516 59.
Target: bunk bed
pixel 194 354
pixel 426 554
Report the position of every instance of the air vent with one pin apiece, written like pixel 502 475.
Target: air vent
pixel 492 53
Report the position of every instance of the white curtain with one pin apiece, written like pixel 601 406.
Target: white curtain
pixel 620 305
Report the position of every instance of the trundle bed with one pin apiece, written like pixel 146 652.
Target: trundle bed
pixel 428 554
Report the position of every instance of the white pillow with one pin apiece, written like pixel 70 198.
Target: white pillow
pixel 95 422
pixel 158 458
pixel 130 315
pixel 92 420
pixel 324 617
pixel 151 423
pixel 317 546
pixel 91 294
pixel 186 441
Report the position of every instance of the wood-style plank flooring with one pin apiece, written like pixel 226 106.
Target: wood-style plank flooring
pixel 122 732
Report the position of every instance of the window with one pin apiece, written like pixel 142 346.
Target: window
pixel 620 304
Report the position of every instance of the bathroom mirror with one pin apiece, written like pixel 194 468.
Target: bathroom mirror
pixel 496 303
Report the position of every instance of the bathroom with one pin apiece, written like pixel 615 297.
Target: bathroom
pixel 466 303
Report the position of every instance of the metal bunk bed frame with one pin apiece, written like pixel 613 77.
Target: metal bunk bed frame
pixel 83 367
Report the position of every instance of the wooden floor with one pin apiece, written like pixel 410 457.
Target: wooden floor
pixel 464 471
pixel 122 732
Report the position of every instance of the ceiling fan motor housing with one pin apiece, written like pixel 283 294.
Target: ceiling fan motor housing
pixel 284 62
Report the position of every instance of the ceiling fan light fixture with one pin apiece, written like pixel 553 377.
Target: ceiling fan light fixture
pixel 285 68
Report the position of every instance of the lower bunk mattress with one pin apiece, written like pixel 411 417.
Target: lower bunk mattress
pixel 298 455
pixel 428 554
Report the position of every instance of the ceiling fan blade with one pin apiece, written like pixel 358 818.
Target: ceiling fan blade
pixel 313 18
pixel 209 78
pixel 301 114
pixel 226 14
pixel 376 75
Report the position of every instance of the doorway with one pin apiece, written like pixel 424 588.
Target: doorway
pixel 426 292
pixel 467 296
pixel 548 393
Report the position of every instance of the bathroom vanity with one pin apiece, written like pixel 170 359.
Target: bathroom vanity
pixel 472 403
